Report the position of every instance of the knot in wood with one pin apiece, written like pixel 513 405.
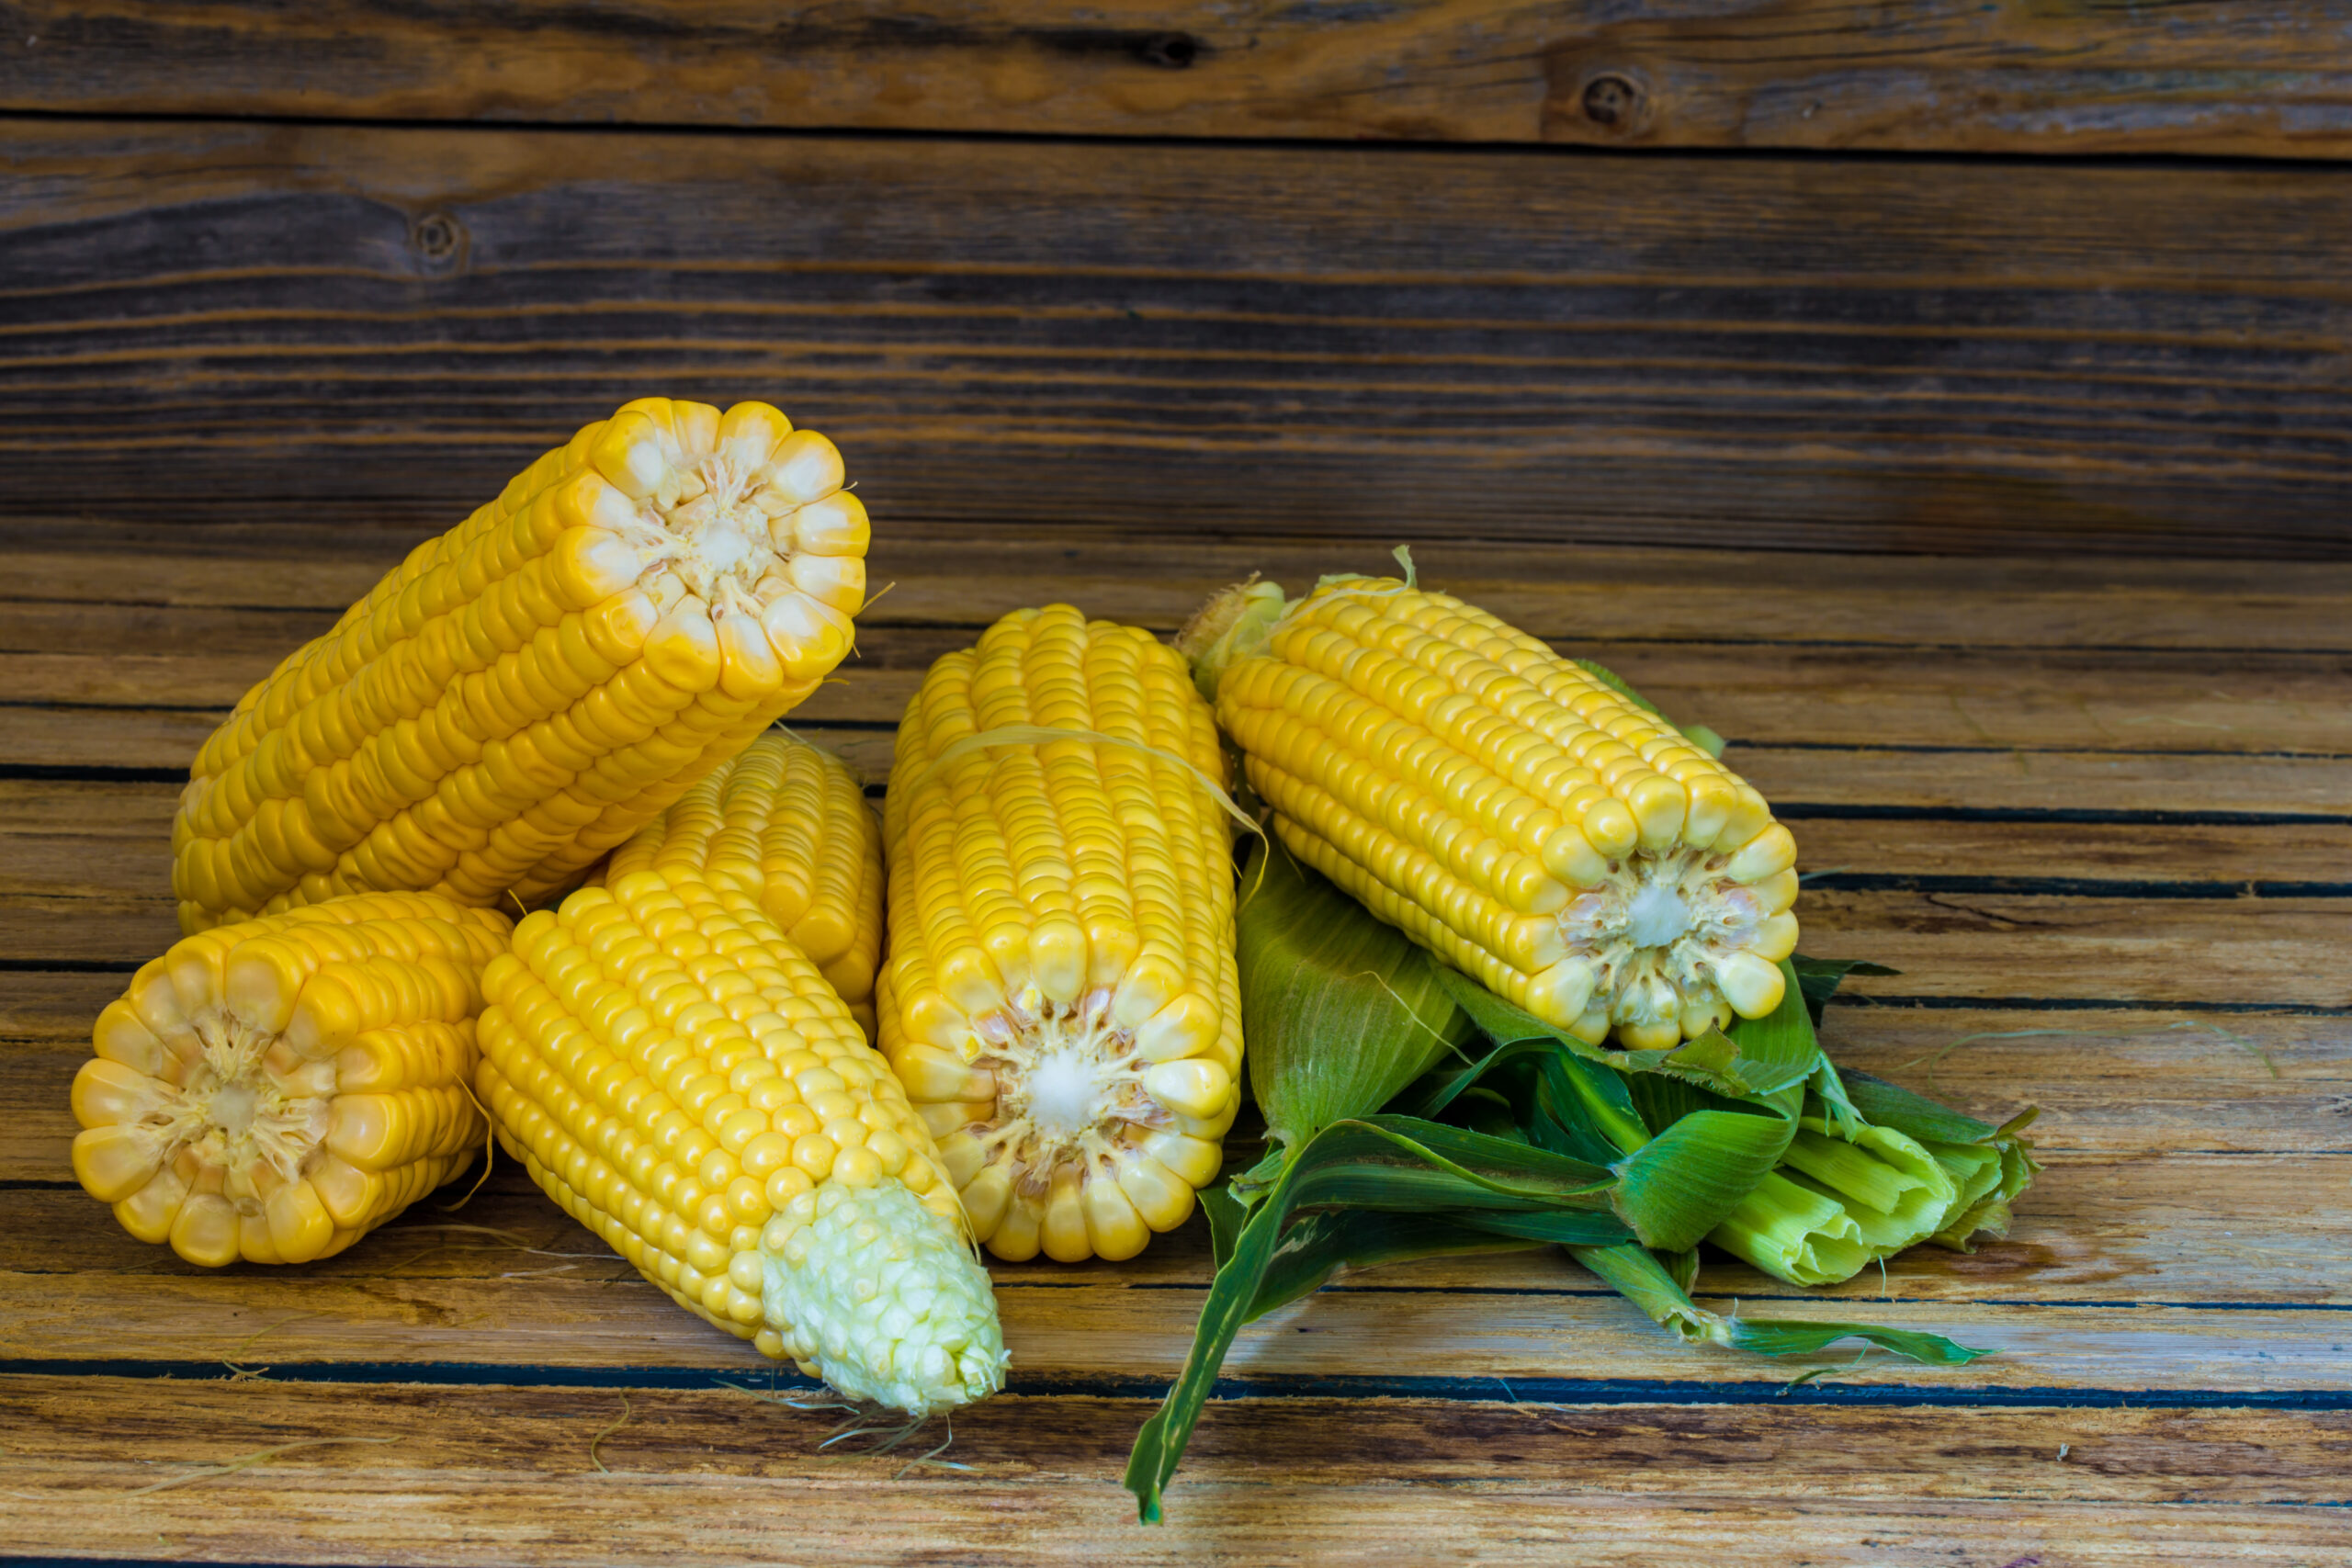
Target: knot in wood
pixel 1169 51
pixel 1610 100
pixel 436 237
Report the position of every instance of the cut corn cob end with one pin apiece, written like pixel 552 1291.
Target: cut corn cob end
pixel 786 823
pixel 1061 1129
pixel 1060 998
pixel 671 1069
pixel 1506 809
pixel 274 1090
pixel 530 687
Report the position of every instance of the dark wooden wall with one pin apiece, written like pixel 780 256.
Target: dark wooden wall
pixel 353 263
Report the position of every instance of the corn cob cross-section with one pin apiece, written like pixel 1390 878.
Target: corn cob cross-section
pixel 785 823
pixel 1059 994
pixel 1505 807
pixel 274 1090
pixel 677 1076
pixel 528 689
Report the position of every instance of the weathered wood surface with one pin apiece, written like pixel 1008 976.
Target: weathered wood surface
pixel 368 325
pixel 2263 78
pixel 2097 811
pixel 511 1479
pixel 936 575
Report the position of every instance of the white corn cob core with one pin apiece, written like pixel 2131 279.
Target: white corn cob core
pixel 882 1297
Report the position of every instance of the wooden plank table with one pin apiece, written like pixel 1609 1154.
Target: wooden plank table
pixel 1993 508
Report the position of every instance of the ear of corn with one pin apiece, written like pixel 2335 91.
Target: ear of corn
pixel 528 689
pixel 274 1090
pixel 1059 995
pixel 785 823
pixel 1506 808
pixel 672 1071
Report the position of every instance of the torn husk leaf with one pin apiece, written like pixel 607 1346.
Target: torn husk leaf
pixel 1340 1010
pixel 1406 1169
pixel 1229 626
pixel 1834 1207
pixel 1961 1145
pixel 1637 1275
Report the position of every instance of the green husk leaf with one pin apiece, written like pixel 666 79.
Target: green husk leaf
pixel 1400 1162
pixel 1649 1284
pixel 1584 1098
pixel 1793 1233
pixel 1681 1266
pixel 1780 1050
pixel 1312 1250
pixel 1704 1157
pixel 1504 1022
pixel 1826 1088
pixel 1383 1162
pixel 1885 1104
pixel 1340 1010
pixel 1232 625
pixel 1683 1183
pixel 1989 1215
pixel 1992 1165
pixel 1582 1108
pixel 1562 1228
pixel 1226 1217
pixel 1761 1057
pixel 1835 1205
pixel 1820 977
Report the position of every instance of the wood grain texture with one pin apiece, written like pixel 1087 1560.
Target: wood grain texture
pixel 217 321
pixel 2057 1313
pixel 2116 1232
pixel 694 1476
pixel 2115 1456
pixel 2262 77
pixel 1759 694
pixel 947 575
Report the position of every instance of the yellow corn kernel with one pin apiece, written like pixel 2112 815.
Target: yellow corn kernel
pixel 274 1090
pixel 785 823
pixel 672 1070
pixel 1504 807
pixel 1059 995
pixel 528 689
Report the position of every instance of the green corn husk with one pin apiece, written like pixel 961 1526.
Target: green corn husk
pixel 1306 979
pixel 1416 1187
pixel 1834 1207
pixel 1412 1114
pixel 1991 1165
pixel 1641 1277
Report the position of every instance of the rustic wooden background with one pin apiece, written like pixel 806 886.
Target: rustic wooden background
pixel 1947 401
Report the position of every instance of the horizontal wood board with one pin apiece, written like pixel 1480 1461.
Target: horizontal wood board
pixel 2094 808
pixel 2268 78
pixel 513 1479
pixel 367 327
